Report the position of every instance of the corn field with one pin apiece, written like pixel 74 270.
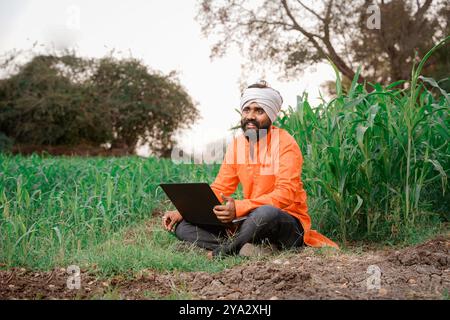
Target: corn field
pixel 54 207
pixel 376 162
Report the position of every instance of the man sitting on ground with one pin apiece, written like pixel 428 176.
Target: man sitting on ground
pixel 274 201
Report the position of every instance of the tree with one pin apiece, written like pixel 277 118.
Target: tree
pixel 67 100
pixel 295 34
pixel 142 106
pixel 45 104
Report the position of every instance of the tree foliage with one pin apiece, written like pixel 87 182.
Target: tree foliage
pixel 295 34
pixel 68 100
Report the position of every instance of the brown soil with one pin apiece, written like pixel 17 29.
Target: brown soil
pixel 418 272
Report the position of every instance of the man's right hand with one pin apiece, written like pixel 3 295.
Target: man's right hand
pixel 170 219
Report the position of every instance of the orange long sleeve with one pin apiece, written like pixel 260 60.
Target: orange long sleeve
pixel 271 177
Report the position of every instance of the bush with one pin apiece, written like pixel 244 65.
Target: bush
pixel 67 100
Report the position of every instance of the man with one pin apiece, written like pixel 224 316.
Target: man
pixel 267 161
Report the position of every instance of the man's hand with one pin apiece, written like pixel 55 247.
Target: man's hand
pixel 227 212
pixel 170 219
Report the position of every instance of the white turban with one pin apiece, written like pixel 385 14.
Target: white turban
pixel 267 98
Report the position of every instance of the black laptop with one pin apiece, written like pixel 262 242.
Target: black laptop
pixel 195 202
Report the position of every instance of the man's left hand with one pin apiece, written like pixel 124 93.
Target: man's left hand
pixel 226 212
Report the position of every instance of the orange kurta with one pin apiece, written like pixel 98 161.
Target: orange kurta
pixel 270 177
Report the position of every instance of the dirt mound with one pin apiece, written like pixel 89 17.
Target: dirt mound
pixel 303 276
pixel 434 252
pixel 19 283
pixel 419 272
pixel 261 280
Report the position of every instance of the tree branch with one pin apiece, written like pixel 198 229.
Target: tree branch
pixel 311 10
pixel 327 20
pixel 286 26
pixel 422 9
pixel 297 27
pixel 331 54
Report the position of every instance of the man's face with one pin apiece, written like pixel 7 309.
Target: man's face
pixel 254 119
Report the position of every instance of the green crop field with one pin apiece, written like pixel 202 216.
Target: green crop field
pixel 376 162
pixel 59 211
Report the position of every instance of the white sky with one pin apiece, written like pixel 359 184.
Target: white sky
pixel 165 36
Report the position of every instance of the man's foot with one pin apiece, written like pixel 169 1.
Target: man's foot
pixel 251 250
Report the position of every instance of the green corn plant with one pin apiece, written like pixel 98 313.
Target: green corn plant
pixel 373 159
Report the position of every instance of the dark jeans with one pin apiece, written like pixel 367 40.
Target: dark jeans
pixel 265 223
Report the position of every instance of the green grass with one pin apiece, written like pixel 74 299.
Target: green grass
pixel 52 208
pixel 445 295
pixel 148 247
pixel 95 213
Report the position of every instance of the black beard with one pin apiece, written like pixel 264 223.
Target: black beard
pixel 251 133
